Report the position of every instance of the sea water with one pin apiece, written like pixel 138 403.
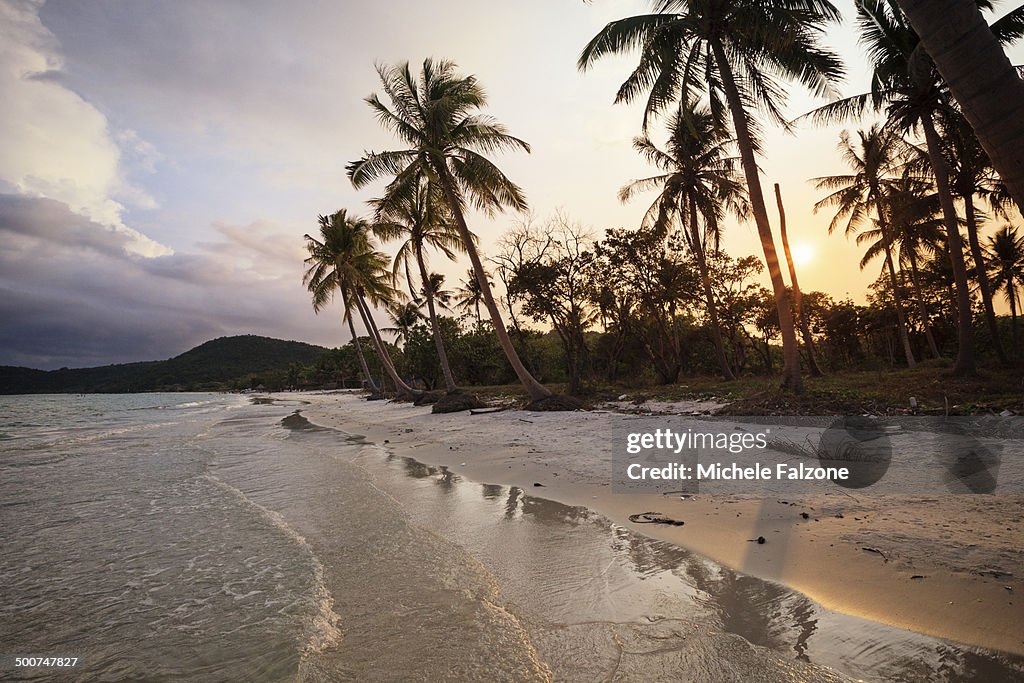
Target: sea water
pixel 207 537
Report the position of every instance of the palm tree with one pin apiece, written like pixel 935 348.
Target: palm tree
pixel 348 256
pixel 731 49
pixel 419 216
pixel 906 83
pixel 874 159
pixel 403 318
pixel 325 276
pixel 969 55
pixel 971 176
pixel 917 230
pixel 435 285
pixel 470 294
pixel 698 184
pixel 1006 267
pixel 436 116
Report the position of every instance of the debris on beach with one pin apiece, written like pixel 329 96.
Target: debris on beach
pixel 456 402
pixel 488 411
pixel 557 402
pixel 654 518
pixel 426 399
pixel 876 551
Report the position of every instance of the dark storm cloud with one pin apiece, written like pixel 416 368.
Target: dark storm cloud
pixel 71 294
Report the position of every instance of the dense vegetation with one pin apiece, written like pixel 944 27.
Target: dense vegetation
pixel 221 364
pixel 662 303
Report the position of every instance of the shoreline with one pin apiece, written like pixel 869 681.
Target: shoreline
pixel 939 568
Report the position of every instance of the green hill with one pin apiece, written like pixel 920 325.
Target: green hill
pixel 224 363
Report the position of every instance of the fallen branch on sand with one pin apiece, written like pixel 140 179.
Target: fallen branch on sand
pixel 488 411
pixel 876 551
pixel 654 518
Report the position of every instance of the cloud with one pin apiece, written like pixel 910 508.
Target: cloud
pixel 52 142
pixel 72 294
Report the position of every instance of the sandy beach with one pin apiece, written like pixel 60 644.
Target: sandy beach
pixel 946 566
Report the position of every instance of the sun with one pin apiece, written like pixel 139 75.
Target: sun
pixel 803 253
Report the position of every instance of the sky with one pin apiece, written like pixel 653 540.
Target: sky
pixel 160 161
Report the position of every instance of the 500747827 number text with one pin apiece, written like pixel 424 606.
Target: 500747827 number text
pixel 19 662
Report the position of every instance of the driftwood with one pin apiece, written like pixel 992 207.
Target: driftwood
pixel 877 552
pixel 654 518
pixel 488 411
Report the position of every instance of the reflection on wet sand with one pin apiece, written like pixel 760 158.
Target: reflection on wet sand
pixel 602 601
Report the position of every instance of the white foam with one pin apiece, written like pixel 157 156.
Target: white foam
pixel 324 631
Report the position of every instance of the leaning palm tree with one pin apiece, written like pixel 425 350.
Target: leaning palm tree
pixel 874 158
pixel 419 216
pixel 324 277
pixel 347 256
pixel 972 176
pixel 907 85
pixel 1006 268
pixel 698 184
pixel 436 116
pixel 732 50
pixel 969 55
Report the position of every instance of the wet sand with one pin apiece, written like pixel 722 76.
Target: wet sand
pixel 942 566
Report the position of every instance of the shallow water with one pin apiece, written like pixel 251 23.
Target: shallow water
pixel 200 537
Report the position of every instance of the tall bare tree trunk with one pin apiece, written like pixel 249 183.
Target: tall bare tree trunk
pixel 359 353
pixel 442 355
pixel 983 285
pixel 790 351
pixel 981 78
pixel 535 389
pixel 798 299
pixel 965 361
pixel 709 295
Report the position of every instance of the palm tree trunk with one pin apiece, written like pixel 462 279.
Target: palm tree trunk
pixel 359 354
pixel 983 284
pixel 805 329
pixel 965 361
pixel 790 350
pixel 408 280
pixel 442 355
pixel 981 78
pixel 709 295
pixel 382 352
pixel 535 389
pixel 921 310
pixel 1011 286
pixel 897 290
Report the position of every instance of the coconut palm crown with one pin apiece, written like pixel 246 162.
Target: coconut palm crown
pixel 737 53
pixel 437 116
pixel 698 184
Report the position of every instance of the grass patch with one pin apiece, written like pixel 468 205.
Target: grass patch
pixel 880 392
